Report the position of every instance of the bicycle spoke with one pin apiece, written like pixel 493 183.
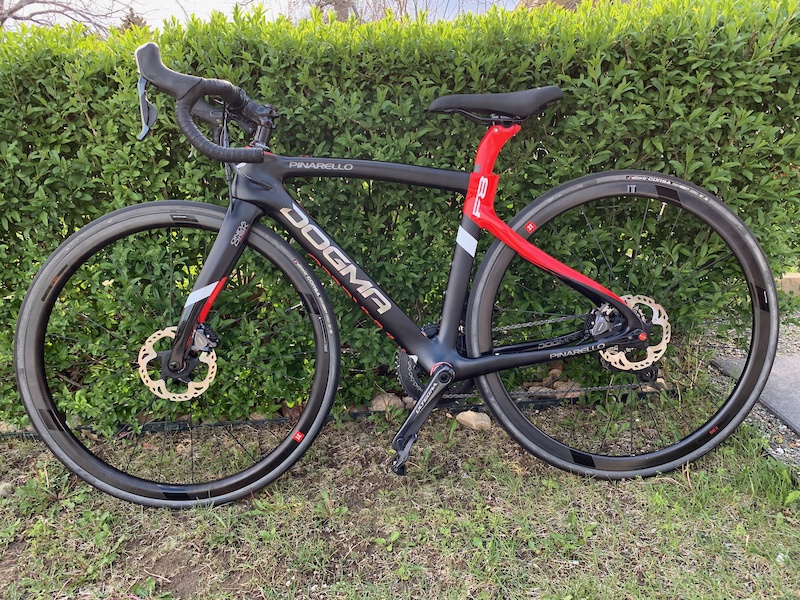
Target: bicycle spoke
pixel 626 408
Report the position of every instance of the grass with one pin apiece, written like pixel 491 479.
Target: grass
pixel 476 517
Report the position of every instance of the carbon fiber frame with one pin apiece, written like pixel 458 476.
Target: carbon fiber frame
pixel 258 190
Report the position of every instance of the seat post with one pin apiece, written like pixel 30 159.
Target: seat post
pixel 490 146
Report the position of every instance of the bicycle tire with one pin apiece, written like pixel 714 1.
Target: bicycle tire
pixel 668 246
pixel 123 277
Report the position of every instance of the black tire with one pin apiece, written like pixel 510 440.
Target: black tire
pixel 122 278
pixel 639 234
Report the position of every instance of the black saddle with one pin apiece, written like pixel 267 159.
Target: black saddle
pixel 514 106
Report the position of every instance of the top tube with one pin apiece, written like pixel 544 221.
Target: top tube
pixel 255 178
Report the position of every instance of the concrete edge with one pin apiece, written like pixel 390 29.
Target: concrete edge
pixel 790 283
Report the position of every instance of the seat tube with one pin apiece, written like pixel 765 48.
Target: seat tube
pixel 479 206
pixel 482 185
pixel 226 251
pixel 458 282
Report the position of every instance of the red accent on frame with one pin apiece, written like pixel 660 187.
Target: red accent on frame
pixel 436 366
pixel 490 146
pixel 210 301
pixel 479 206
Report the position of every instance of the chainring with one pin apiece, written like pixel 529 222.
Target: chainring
pixel 410 375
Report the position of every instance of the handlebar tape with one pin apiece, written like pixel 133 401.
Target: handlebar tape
pixel 237 101
pixel 189 90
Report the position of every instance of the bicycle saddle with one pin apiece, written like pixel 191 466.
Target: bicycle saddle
pixel 519 105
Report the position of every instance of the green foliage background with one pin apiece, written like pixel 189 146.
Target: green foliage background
pixel 703 90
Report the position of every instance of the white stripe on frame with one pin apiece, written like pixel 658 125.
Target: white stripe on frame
pixel 466 241
pixel 201 294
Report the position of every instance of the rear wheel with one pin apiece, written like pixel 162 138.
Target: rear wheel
pixel 87 350
pixel 692 271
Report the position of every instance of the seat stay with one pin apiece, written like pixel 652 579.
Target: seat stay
pixel 479 207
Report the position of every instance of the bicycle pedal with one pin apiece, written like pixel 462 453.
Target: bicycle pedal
pixel 399 469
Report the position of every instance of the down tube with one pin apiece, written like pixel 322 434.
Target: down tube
pixel 348 274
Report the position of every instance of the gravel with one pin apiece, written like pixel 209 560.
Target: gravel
pixel 782 442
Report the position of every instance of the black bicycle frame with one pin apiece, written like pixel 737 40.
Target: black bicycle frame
pixel 258 190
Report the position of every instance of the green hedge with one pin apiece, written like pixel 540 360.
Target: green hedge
pixel 704 90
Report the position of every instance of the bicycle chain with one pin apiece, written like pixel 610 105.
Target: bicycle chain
pixel 537 323
pixel 511 328
pixel 583 390
pixel 601 388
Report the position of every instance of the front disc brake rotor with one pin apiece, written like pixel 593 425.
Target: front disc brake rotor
pixel 159 386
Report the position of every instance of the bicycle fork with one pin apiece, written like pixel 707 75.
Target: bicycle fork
pixel 226 251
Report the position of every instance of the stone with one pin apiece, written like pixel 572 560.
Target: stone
pixel 6 489
pixel 382 402
pixel 565 385
pixel 474 420
pixel 568 390
pixel 790 283
pixel 291 412
pixel 657 386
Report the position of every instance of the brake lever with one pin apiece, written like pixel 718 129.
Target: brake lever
pixel 203 110
pixel 147 109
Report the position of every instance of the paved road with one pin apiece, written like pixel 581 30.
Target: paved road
pixel 782 394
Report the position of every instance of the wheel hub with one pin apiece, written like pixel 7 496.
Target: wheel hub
pixel 148 353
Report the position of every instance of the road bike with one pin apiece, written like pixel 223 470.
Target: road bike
pixel 176 353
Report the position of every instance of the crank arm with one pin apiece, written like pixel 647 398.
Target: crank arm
pixel 441 378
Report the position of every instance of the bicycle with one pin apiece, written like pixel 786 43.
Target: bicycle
pixel 170 310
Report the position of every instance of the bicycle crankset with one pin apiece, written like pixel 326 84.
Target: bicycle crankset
pixel 639 359
pixel 409 374
pixel 159 386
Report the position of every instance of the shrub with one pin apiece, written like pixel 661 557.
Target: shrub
pixel 704 91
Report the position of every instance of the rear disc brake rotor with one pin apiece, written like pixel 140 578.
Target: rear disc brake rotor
pixel 654 314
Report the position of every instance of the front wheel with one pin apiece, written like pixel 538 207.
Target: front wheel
pixel 691 270
pixel 103 309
